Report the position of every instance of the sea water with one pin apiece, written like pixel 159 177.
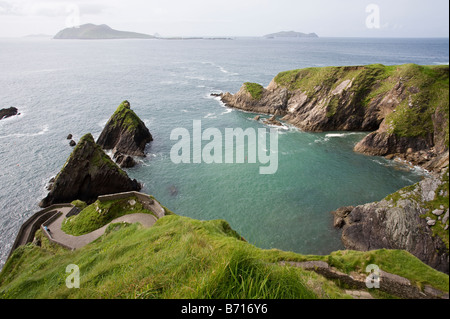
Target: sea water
pixel 65 86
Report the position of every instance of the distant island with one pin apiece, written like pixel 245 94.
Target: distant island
pixel 290 34
pixel 104 32
pixel 91 32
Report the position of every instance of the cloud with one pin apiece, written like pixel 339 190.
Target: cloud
pixel 49 8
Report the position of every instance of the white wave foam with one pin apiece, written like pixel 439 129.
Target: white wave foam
pixel 210 116
pixel 321 140
pixel 403 165
pixel 279 127
pixel 41 132
pixel 221 68
pixel 200 78
pixel 12 118
pixel 228 110
pixel 102 123
pixel 342 134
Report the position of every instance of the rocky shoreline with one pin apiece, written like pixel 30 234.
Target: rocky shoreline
pixel 393 103
pixel 406 110
pixel 414 219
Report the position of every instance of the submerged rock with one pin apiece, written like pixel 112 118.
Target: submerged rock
pixel 125 133
pixel 124 161
pixel 272 121
pixel 88 173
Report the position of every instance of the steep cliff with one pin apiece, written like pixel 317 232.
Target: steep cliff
pixel 405 106
pixel 414 219
pixel 125 134
pixel 88 173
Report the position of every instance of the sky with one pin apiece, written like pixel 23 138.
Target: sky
pixel 327 18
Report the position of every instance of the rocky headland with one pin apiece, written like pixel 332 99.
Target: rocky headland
pixel 414 219
pixel 126 135
pixel 405 107
pixel 11 111
pixel 406 110
pixel 87 174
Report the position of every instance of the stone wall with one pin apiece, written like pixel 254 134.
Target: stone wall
pixel 32 224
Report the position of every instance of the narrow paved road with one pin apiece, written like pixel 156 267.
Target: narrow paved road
pixel 74 242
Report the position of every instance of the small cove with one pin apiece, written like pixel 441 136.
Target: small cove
pixel 63 87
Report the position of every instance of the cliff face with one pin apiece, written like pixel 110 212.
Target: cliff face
pixel 405 106
pixel 125 133
pixel 414 219
pixel 88 173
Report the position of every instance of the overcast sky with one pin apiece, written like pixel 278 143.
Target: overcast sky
pixel 327 18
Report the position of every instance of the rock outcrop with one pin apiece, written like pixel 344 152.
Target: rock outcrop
pixel 87 174
pixel 405 106
pixel 4 113
pixel 412 219
pixel 125 133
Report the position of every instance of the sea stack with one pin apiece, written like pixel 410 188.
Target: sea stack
pixel 125 133
pixel 87 174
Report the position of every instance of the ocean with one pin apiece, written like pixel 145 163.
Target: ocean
pixel 71 86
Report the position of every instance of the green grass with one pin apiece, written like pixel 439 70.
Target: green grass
pixel 125 117
pixel 180 257
pixel 429 91
pixel 310 80
pixel 426 90
pixel 255 90
pixel 98 157
pixel 176 258
pixel 398 262
pixel 79 204
pixel 99 214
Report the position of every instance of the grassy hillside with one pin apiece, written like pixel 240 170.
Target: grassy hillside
pixel 181 257
pixel 425 92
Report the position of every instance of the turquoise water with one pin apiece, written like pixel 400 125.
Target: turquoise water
pixel 63 87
